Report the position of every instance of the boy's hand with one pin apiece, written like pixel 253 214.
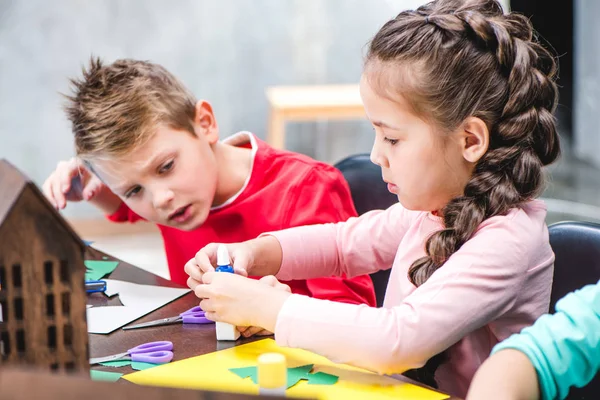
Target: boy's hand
pixel 206 259
pixel 71 181
pixel 248 331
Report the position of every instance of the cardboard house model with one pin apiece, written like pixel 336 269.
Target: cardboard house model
pixel 42 290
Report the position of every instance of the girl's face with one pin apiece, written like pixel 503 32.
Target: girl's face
pixel 424 168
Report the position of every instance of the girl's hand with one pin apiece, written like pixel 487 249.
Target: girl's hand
pixel 241 301
pixel 206 259
pixel 248 331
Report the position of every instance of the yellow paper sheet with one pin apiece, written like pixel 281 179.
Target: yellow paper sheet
pixel 211 372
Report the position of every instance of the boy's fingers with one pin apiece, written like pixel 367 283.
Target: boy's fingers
pixel 58 195
pixel 47 190
pixel 91 188
pixel 67 170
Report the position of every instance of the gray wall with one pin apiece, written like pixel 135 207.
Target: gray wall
pixel 226 51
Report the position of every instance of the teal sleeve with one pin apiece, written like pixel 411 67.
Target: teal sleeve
pixel 564 347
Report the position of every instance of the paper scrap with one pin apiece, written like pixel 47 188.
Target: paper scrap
pixel 294 375
pixel 321 378
pixel 138 300
pixel 136 365
pixel 210 372
pixel 96 269
pixel 121 363
pixel 140 366
pixel 105 376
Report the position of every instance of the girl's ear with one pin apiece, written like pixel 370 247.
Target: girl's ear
pixel 205 122
pixel 475 139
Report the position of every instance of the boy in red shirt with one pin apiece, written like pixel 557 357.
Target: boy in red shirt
pixel 147 149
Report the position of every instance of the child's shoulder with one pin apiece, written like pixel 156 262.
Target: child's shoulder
pixel 289 163
pixel 522 230
pixel 526 219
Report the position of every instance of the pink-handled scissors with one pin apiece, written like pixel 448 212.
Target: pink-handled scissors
pixel 152 352
pixel 194 315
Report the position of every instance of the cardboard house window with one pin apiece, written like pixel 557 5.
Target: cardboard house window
pixel 21 341
pixel 66 303
pixel 54 366
pixel 16 276
pixel 65 276
pixel 68 335
pixel 50 305
pixel 18 304
pixel 48 278
pixel 52 337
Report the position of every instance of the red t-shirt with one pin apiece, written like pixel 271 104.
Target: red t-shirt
pixel 284 190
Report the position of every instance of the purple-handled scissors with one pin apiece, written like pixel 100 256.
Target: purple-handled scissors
pixel 152 352
pixel 194 315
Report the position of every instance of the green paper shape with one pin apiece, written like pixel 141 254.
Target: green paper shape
pixel 294 375
pixel 105 376
pixel 322 378
pixel 122 363
pixel 96 269
pixel 246 372
pixel 140 366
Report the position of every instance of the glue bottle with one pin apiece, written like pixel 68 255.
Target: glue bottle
pixel 224 330
pixel 272 374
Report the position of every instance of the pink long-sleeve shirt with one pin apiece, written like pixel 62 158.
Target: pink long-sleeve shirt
pixel 493 286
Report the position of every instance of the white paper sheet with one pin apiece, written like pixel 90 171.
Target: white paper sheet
pixel 137 300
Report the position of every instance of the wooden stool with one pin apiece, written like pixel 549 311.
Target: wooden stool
pixel 310 103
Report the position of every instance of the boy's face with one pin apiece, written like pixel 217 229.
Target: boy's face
pixel 170 180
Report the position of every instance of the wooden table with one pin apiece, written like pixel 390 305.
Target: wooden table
pixel 188 340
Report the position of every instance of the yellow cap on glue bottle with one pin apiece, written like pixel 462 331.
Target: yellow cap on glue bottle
pixel 272 374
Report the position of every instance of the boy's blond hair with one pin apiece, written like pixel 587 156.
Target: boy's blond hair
pixel 115 108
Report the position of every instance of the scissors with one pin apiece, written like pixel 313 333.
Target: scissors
pixel 194 315
pixel 152 352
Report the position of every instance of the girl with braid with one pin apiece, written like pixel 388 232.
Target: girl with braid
pixel 461 98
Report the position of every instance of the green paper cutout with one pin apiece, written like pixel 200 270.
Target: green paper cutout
pixel 105 376
pixel 322 378
pixel 136 365
pixel 96 269
pixel 140 366
pixel 246 372
pixel 294 375
pixel 122 363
